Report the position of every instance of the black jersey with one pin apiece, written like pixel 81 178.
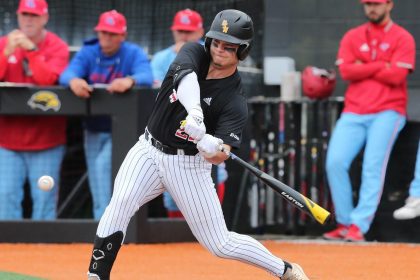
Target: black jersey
pixel 222 100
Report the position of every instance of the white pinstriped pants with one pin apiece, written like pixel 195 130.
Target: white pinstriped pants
pixel 146 173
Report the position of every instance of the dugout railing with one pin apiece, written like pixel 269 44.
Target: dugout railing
pixel 129 114
pixel 275 136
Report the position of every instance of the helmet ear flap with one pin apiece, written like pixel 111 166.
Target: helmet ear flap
pixel 207 43
pixel 243 51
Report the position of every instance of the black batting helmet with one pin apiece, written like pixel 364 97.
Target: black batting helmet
pixel 234 27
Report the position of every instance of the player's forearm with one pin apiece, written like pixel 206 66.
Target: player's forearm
pixel 354 72
pixel 217 159
pixel 392 76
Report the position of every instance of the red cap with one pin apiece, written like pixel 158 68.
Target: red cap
pixel 374 1
pixel 187 20
pixel 36 7
pixel 113 22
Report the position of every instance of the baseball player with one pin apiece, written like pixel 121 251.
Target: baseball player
pixel 199 109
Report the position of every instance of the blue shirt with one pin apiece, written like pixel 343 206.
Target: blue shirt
pixel 95 67
pixel 161 62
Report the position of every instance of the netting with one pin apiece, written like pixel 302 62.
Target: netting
pixel 148 21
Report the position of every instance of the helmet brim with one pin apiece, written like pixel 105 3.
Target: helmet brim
pixel 225 37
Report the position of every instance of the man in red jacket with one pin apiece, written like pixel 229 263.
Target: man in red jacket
pixel 31 146
pixel 375 59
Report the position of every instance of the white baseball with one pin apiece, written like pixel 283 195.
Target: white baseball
pixel 45 183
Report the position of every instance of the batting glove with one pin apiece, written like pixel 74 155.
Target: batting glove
pixel 209 145
pixel 194 124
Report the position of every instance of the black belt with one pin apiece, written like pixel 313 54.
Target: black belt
pixel 166 149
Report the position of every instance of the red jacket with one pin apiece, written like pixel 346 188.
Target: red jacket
pixel 45 64
pixel 376 61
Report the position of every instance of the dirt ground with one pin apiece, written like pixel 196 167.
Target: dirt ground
pixel 321 260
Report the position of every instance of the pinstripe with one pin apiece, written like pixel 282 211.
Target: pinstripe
pixel 147 172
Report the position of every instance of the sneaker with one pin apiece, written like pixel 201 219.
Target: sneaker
pixel 410 210
pixel 354 234
pixel 93 276
pixel 294 273
pixel 336 234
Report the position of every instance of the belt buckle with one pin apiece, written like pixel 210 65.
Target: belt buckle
pixel 180 152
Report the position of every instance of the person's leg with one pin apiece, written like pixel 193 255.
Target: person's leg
pixel 411 208
pixel 45 162
pixel 415 184
pixel 102 165
pixel 346 141
pixel 189 181
pixel 98 153
pixel 12 178
pixel 137 182
pixel 383 130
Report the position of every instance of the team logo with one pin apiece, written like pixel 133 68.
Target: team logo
pixel 234 136
pixel 12 59
pixel 364 48
pixel 207 100
pixel 45 100
pixel 185 20
pixel 384 46
pixel 98 254
pixel 110 21
pixel 225 26
pixel 173 97
pixel 30 3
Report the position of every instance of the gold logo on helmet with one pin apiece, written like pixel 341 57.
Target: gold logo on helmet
pixel 45 100
pixel 225 26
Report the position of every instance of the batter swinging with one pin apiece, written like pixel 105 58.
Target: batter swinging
pixel 203 88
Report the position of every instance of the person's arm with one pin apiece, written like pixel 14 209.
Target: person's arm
pixel 142 72
pixel 357 71
pixel 401 64
pixel 392 76
pixel 46 68
pixel 78 68
pixel 350 66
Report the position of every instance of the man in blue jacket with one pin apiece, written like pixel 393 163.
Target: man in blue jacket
pixel 108 59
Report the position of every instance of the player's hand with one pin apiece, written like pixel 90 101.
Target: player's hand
pixel 12 42
pixel 24 42
pixel 209 145
pixel 194 124
pixel 121 85
pixel 80 88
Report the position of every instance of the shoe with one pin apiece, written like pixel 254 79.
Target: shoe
pixel 354 234
pixel 93 276
pixel 410 210
pixel 336 234
pixel 294 273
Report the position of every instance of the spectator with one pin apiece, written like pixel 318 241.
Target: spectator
pixel 411 209
pixel 187 26
pixel 31 146
pixel 375 58
pixel 108 59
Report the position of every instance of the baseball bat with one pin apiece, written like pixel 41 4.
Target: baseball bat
pixel 295 198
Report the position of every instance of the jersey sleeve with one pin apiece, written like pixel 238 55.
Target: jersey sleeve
pixel 232 121
pixel 190 58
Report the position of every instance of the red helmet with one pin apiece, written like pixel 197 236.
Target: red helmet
pixel 318 83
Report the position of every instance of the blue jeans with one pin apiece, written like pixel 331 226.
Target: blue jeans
pixel 15 168
pixel 98 152
pixel 415 184
pixel 377 132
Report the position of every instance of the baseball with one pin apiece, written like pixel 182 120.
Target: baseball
pixel 45 183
